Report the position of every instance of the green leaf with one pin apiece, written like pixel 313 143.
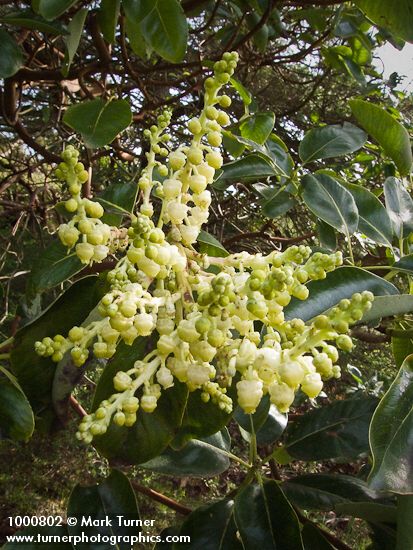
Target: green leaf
pixel 272 153
pixel 52 267
pixel 383 537
pixel 210 245
pixel 275 201
pixel 387 306
pixel 16 415
pixel 391 435
pixel 253 421
pixel 11 55
pixel 374 220
pixel 326 235
pixel 136 40
pixel 34 373
pixel 211 528
pixel 399 205
pixel 386 130
pixel 112 498
pixel 29 20
pixel 340 283
pixel 278 152
pixel 331 141
pixel 232 144
pixel 108 16
pixel 405 264
pixel 313 538
pixel 354 70
pixel 325 491
pixel 374 512
pixel 98 122
pixel 118 200
pixel 52 9
pixel 401 348
pixel 252 167
pixel 331 202
pixel 396 16
pixel 244 94
pixel 337 430
pixel 68 375
pixel 152 432
pixel 165 28
pixel 201 419
pixel 136 10
pixel 258 127
pixel 267 421
pixel 273 427
pixel 75 29
pixel 266 520
pixel 199 457
pixel 404 521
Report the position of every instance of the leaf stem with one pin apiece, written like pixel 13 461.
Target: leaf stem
pixel 4 355
pixel 7 342
pixel 230 455
pixel 350 249
pixel 253 442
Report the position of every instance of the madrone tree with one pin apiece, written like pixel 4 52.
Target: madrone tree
pixel 155 156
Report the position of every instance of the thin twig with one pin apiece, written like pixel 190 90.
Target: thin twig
pixel 163 499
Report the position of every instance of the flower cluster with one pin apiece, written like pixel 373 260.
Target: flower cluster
pixel 85 231
pixel 213 322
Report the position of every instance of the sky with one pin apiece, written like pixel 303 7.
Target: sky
pixel 393 60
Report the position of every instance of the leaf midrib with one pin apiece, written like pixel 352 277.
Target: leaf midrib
pixel 325 427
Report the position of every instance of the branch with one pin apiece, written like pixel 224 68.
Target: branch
pixel 31 142
pixel 163 499
pixel 77 407
pixel 336 542
pixel 263 235
pixel 369 336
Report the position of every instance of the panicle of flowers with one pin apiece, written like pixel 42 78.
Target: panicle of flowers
pixel 209 329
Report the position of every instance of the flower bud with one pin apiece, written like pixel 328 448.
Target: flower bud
pixel 203 351
pixel 249 395
pixel 93 209
pixel 171 188
pixel 282 396
pixel 195 155
pixel 122 381
pixel 177 212
pixel 214 160
pixel 165 377
pixel 144 324
pixel 100 252
pixel 291 373
pixel 71 205
pixel 187 331
pixel 197 183
pixel 76 334
pixel 148 403
pixel 177 160
pixel 166 344
pixel 194 126
pixel 198 374
pixel 130 405
pixel 246 353
pixel 189 233
pixel 312 384
pixel 207 171
pixel 85 252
